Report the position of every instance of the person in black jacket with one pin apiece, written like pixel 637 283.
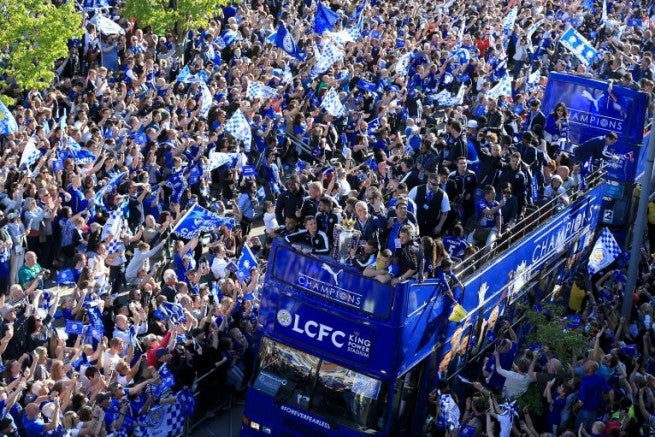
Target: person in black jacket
pixel 310 239
pixel 456 144
pixel 515 176
pixel 534 116
pixel 290 202
pixel 490 162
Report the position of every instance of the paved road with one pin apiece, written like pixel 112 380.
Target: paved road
pixel 224 424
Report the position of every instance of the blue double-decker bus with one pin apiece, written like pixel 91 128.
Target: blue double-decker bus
pixel 341 354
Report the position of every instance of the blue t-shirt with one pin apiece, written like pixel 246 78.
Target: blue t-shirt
pixel 591 391
pixel 33 428
pixel 487 220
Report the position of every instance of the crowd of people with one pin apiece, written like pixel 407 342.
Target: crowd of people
pixel 424 183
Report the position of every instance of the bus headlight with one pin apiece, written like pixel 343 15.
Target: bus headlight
pixel 255 426
pixel 266 430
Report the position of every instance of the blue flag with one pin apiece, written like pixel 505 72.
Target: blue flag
pixel 579 46
pixel 74 327
pixel 95 318
pixel 246 262
pixel 7 121
pixel 65 277
pixel 248 170
pixel 83 156
pixel 177 183
pixel 284 40
pixel 170 310
pixel 365 85
pixel 185 76
pixel 605 251
pixel 197 220
pixel 325 19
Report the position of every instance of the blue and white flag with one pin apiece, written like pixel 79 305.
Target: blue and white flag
pixel 331 55
pixel 332 104
pixel 30 154
pixel 325 18
pixel 284 40
pixel 206 100
pixel 509 20
pixel 402 66
pixel 452 100
pixel 532 29
pixel 365 85
pixel 164 420
pixel 65 277
pixel 7 121
pixel 502 88
pixel 246 262
pixel 107 26
pixel 229 37
pixel 110 187
pixel 114 227
pixel 91 5
pixel 82 156
pixel 185 76
pixel 74 327
pixel 197 220
pixel 462 55
pixel 257 90
pixel 177 183
pixel 170 310
pixel 357 13
pixel 603 15
pixel 219 159
pixel 605 251
pixel 239 127
pixel 579 46
pixel 97 328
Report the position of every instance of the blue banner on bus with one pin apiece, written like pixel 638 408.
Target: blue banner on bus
pixel 332 335
pixel 595 108
pixel 332 281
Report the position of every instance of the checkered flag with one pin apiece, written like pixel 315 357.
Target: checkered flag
pixel 257 90
pixel 452 100
pixel 332 104
pixel 114 226
pixel 238 126
pixel 402 66
pixel 502 88
pixel 330 56
pixel 30 154
pixel 605 251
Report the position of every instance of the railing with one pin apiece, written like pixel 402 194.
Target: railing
pixel 532 221
pixel 211 397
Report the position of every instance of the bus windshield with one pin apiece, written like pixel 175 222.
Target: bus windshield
pixel 326 389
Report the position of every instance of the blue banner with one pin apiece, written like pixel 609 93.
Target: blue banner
pixel 596 109
pixel 197 220
pixel 65 277
pixel 332 281
pixel 284 40
pixel 7 121
pixel 333 335
pixel 325 19
pixel 246 262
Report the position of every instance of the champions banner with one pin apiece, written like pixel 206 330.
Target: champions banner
pixel 595 109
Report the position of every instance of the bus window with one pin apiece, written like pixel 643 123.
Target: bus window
pixel 338 394
pixel 350 398
pixel 285 373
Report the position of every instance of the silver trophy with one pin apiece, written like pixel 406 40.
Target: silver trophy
pixel 345 239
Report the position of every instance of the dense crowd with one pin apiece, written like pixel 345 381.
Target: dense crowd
pixel 424 181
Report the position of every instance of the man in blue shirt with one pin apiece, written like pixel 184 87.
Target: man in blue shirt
pixel 34 424
pixel 590 395
pixel 489 219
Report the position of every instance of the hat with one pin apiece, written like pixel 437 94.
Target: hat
pixel 472 124
pixel 101 397
pixel 161 352
pixel 6 309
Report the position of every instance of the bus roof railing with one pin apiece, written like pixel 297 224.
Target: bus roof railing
pixel 522 228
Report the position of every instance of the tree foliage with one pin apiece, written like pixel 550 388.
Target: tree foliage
pixel 172 15
pixel 33 35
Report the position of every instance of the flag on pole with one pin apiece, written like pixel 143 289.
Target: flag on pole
pixel 284 40
pixel 246 262
pixel 605 251
pixel 197 220
pixel 7 121
pixel 239 127
pixel 325 18
pixel 332 104
pixel 579 46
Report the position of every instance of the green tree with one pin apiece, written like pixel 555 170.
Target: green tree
pixel 33 35
pixel 172 15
